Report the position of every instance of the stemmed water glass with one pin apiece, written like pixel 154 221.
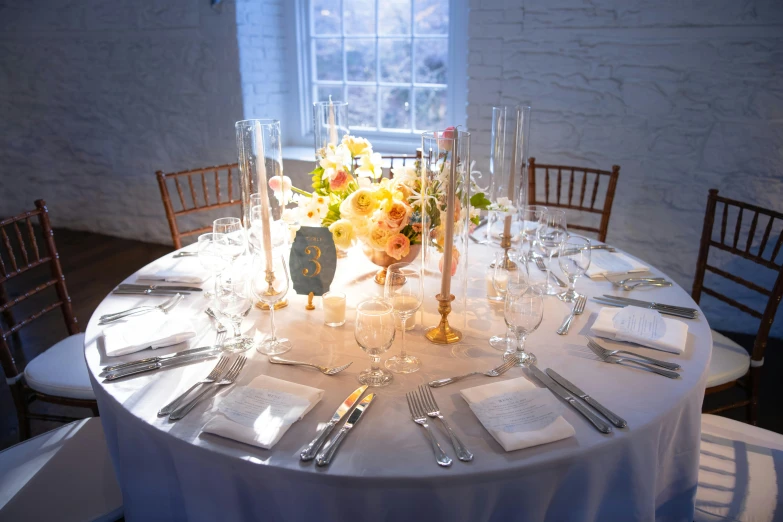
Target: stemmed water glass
pixel 506 279
pixel 234 300
pixel 374 332
pixel 550 233
pixel 269 284
pixel 212 257
pixel 523 313
pixel 574 259
pixel 530 218
pixel 404 292
pixel 233 241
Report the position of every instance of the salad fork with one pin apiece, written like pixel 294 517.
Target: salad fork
pixel 579 307
pixel 323 369
pixel 495 372
pixel 420 417
pixel 226 380
pixel 609 353
pixel 164 307
pixel 624 361
pixel 209 379
pixel 431 409
pixel 542 266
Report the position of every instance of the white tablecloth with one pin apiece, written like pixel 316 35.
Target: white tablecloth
pixel 385 470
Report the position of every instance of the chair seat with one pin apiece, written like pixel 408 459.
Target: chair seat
pixel 61 370
pixel 740 472
pixel 729 362
pixel 65 474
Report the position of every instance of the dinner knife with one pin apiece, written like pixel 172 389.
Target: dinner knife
pixel 160 364
pixel 651 304
pixel 594 419
pixel 573 388
pixel 331 446
pixel 675 313
pixel 141 291
pixel 311 449
pixel 157 358
pixel 134 286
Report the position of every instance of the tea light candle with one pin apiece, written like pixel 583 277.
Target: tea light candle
pixel 334 308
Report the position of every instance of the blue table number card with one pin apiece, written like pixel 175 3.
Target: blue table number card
pixel 313 260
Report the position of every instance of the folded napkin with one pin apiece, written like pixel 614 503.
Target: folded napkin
pixel 260 413
pixel 556 430
pixel 175 270
pixel 152 330
pixel 603 263
pixel 646 327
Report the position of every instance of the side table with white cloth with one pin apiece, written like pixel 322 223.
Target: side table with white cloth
pixel 384 470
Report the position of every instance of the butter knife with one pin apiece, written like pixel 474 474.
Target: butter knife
pixel 573 388
pixel 158 358
pixel 594 419
pixel 134 286
pixel 325 457
pixel 113 376
pixel 312 449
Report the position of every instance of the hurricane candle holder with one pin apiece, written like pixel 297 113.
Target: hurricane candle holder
pixel 330 123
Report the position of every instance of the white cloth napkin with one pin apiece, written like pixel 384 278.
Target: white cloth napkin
pixel 175 270
pixel 673 340
pixel 603 263
pixel 557 430
pixel 264 434
pixel 152 330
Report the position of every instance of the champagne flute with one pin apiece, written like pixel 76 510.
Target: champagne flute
pixel 212 257
pixel 508 279
pixel 374 332
pixel 234 300
pixel 574 259
pixel 404 292
pixel 269 284
pixel 234 241
pixel 550 233
pixel 523 314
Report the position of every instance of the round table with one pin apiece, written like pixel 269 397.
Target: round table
pixel 385 470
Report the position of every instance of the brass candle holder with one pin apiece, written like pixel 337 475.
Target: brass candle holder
pixel 505 244
pixel 270 277
pixel 443 333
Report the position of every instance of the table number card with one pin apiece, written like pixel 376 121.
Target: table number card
pixel 518 411
pixel 313 260
pixel 638 325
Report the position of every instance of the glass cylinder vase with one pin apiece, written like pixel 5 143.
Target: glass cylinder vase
pixel 330 123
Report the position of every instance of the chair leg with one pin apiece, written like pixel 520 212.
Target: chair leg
pixel 95 412
pixel 18 394
pixel 753 407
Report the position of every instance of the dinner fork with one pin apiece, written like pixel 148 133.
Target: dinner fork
pixel 627 280
pixel 631 286
pixel 624 361
pixel 323 369
pixel 420 418
pixel 579 307
pixel 209 379
pixel 657 362
pixel 431 409
pixel 226 380
pixel 541 266
pixel 494 372
pixel 165 307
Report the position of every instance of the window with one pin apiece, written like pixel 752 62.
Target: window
pixel 398 63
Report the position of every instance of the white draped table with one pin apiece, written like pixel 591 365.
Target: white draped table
pixel 385 469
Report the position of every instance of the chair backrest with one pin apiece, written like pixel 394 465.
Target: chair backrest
pixel 587 183
pixel 19 256
pixel 762 219
pixel 391 161
pixel 224 179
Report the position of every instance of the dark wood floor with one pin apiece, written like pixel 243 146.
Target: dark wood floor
pixel 94 264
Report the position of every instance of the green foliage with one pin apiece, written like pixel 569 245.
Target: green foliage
pixel 480 201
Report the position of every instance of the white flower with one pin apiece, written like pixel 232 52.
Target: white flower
pixel 335 159
pixel 405 174
pixel 504 202
pixel 370 166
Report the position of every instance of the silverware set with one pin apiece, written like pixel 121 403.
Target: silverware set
pixel 592 247
pixel 210 389
pixel 494 372
pixel 419 416
pixel 184 253
pixel 323 369
pixel 165 307
pixel 631 283
pixel 579 308
pixel 542 266
pixel 117 371
pixel 652 365
pixel 677 311
pixel 136 288
pixel 216 372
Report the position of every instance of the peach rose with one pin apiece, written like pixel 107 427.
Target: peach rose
pixel 398 246
pixel 454 262
pixel 396 216
pixel 339 181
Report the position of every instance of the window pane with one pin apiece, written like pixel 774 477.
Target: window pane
pixel 362 106
pixel 394 17
pixel 326 17
pixel 360 57
pixel 395 108
pixel 431 17
pixel 430 108
pixel 324 91
pixel 359 16
pixel 328 59
pixel 431 60
pixel 395 56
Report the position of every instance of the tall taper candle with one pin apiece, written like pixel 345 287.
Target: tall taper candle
pixel 332 126
pixel 448 242
pixel 512 172
pixel 264 196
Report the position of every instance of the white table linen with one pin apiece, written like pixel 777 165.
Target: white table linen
pixel 385 469
pixel 153 330
pixel 673 340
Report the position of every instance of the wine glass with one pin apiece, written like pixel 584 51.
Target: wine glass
pixel 530 217
pixel 212 257
pixel 550 233
pixel 269 284
pixel 523 313
pixel 511 277
pixel 404 292
pixel 574 259
pixel 234 242
pixel 374 332
pixel 233 299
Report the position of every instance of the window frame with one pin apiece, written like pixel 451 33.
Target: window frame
pixel 300 132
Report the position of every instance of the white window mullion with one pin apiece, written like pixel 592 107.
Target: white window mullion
pixel 413 68
pixel 377 69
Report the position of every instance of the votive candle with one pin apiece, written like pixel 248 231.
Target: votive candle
pixel 334 308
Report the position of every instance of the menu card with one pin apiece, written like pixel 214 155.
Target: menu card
pixel 253 406
pixel 638 325
pixel 518 411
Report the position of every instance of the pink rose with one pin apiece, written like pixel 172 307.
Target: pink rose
pixel 398 246
pixel 339 181
pixel 454 262
pixel 280 183
pixel 445 138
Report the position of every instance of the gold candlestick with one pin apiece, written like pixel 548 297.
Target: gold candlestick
pixel 443 333
pixel 270 277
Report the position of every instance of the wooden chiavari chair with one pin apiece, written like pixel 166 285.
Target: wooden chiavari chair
pixel 575 201
pixel 58 375
pixel 399 159
pixel 731 365
pixel 196 198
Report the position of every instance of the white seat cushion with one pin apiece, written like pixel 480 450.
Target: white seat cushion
pixel 729 362
pixel 61 370
pixel 65 474
pixel 740 472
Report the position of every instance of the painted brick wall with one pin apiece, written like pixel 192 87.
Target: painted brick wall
pixel 683 96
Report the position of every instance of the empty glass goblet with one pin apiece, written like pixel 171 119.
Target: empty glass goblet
pixel 574 259
pixel 374 332
pixel 269 284
pixel 523 313
pixel 550 233
pixel 233 300
pixel 530 217
pixel 512 277
pixel 234 241
pixel 212 257
pixel 404 292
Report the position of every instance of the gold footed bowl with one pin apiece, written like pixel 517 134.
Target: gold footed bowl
pixel 384 260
